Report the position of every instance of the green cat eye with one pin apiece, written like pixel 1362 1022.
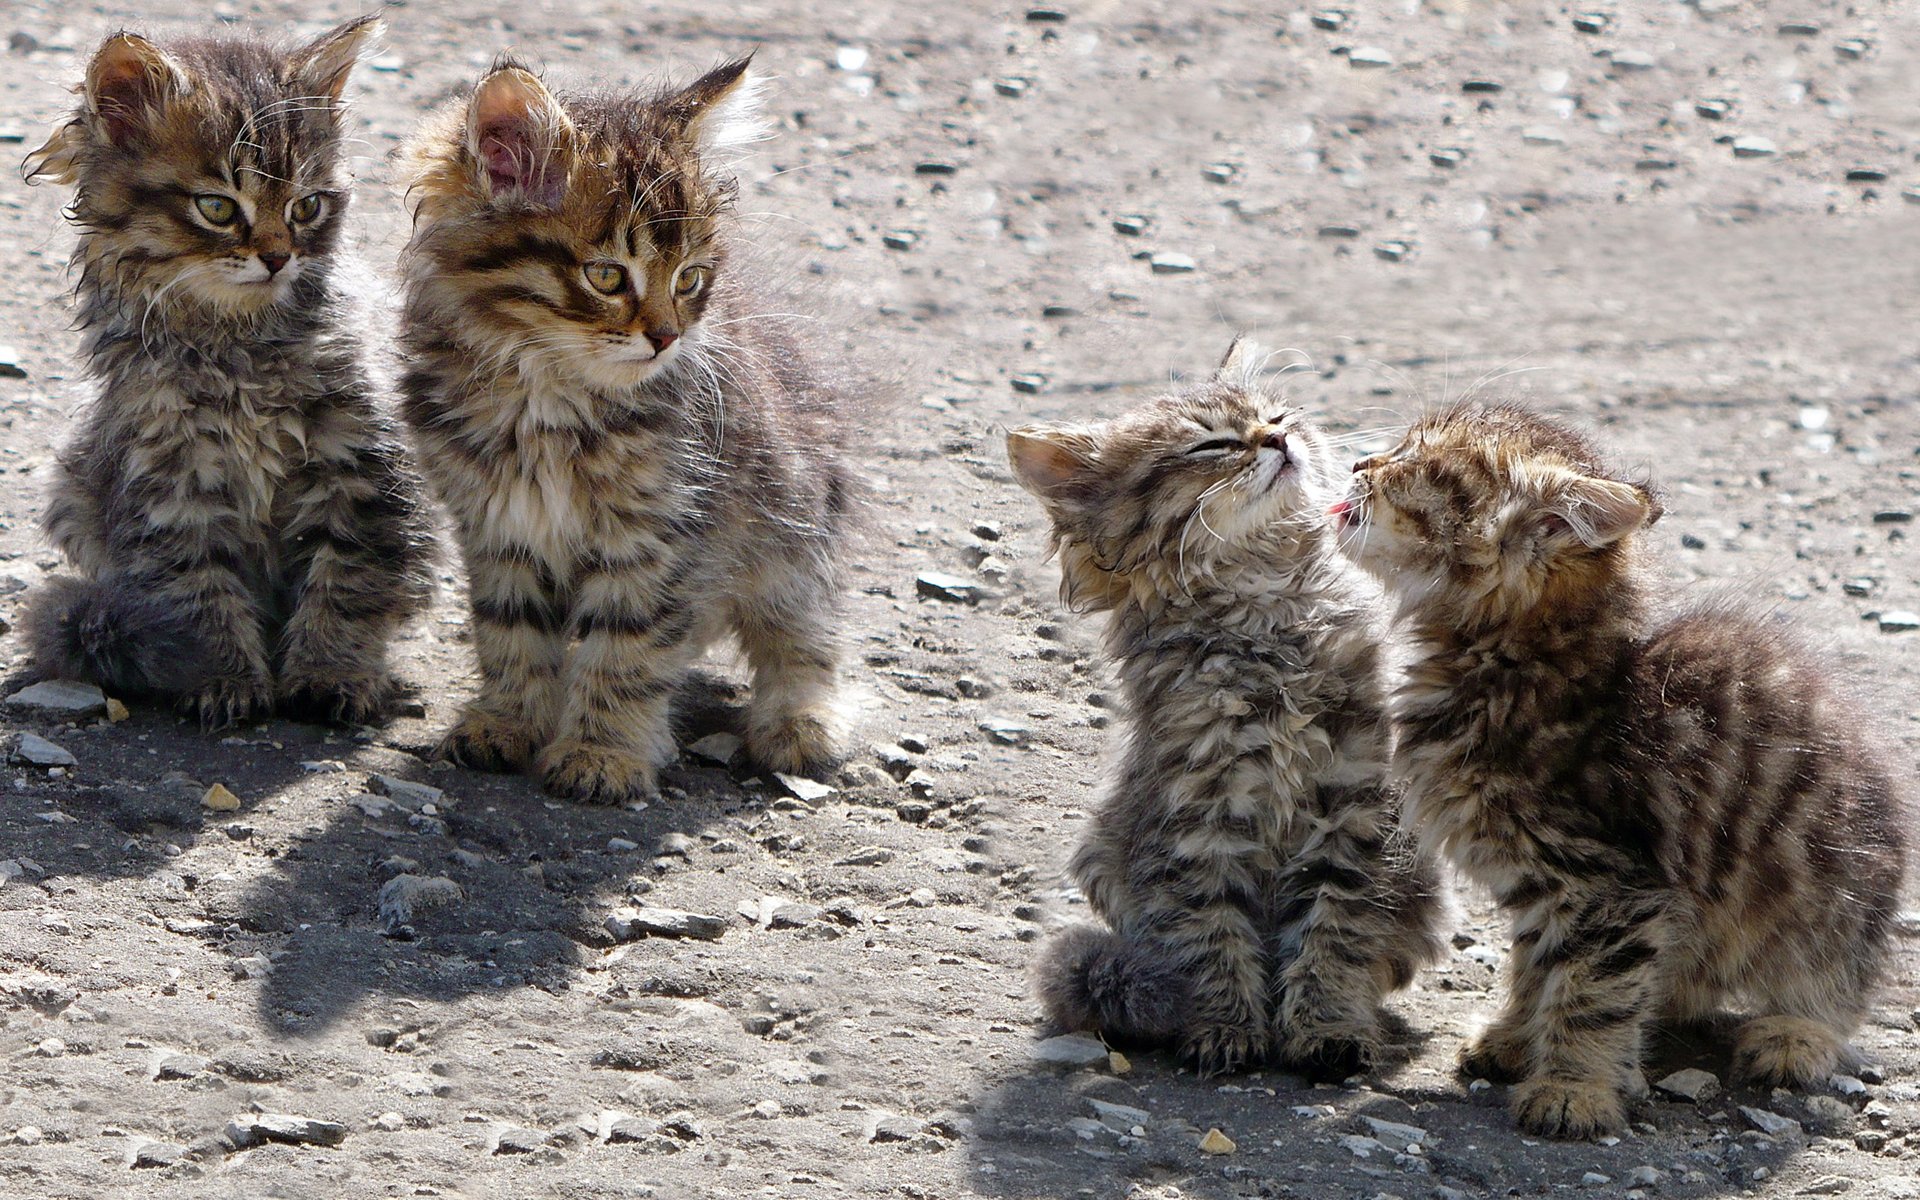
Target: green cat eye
pixel 690 282
pixel 606 277
pixel 220 210
pixel 305 209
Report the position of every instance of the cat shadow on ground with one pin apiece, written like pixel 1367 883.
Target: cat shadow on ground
pixel 333 881
pixel 1408 1127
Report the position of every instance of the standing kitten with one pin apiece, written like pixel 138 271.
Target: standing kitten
pixel 1245 856
pixel 1674 813
pixel 246 525
pixel 637 457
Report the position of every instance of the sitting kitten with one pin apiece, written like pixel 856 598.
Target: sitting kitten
pixel 1675 813
pixel 638 457
pixel 1245 858
pixel 247 527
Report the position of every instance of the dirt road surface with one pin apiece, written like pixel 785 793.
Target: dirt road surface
pixel 1692 227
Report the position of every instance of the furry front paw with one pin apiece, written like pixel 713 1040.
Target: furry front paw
pixel 597 774
pixel 1221 1049
pixel 1786 1051
pixel 1328 1056
pixel 342 701
pixel 487 743
pixel 796 743
pixel 230 699
pixel 1497 1054
pixel 1569 1108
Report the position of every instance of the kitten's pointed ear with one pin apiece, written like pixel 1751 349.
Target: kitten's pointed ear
pixel 1053 464
pixel 1243 361
pixel 720 111
pixel 128 82
pixel 518 135
pixel 1599 512
pixel 322 66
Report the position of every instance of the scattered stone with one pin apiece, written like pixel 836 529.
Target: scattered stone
pixel 1831 1185
pixel 116 711
pixel 1713 110
pixel 1866 175
pixel 1633 60
pixel 1048 16
pixel 1363 1147
pixel 954 589
pixel 390 1122
pixel 179 1066
pixel 1770 1123
pixel 1132 226
pixel 1644 1177
pixel 894 1128
pixel 801 788
pixel 153 1155
pixel 61 698
pixel 1693 541
pixel 1393 1133
pixel 632 1129
pixel 1369 57
pixel 620 845
pixel 1446 158
pixel 1338 232
pixel 1595 1179
pixel 986 531
pixel 1119 1063
pixel 1219 172
pixel 1542 135
pixel 1070 1050
pixel 405 897
pixel 323 766
pixel 405 791
pixel 1215 1142
pixel 850 58
pixel 1482 87
pixel 720 749
pixel 1900 621
pixel 1012 86
pixel 1799 28
pixel 1123 1117
pixel 1892 516
pixel 10 367
pixel 1859 585
pixel 867 856
pixel 1852 48
pixel 935 168
pixel 32 750
pixel 1847 1085
pixel 1028 383
pixel 1004 732
pixel 518 1140
pixel 1166 263
pixel 631 924
pixel 1329 19
pixel 1393 251
pixel 254 1128
pixel 1690 1084
pixel 1828 1115
pixel 1591 22
pixel 1753 147
pixel 899 239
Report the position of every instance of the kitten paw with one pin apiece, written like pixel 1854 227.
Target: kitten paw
pixel 796 743
pixel 1786 1052
pixel 340 701
pixel 1222 1049
pixel 1498 1055
pixel 597 774
pixel 1327 1056
pixel 485 742
pixel 229 700
pixel 1568 1108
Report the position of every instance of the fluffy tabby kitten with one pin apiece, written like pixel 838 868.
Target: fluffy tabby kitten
pixel 1675 812
pixel 638 458
pixel 246 525
pixel 1245 861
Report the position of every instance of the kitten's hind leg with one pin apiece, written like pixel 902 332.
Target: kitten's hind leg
pixel 788 627
pixel 518 639
pixel 1780 1051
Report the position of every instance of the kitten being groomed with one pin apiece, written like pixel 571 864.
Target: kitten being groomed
pixel 639 458
pixel 1674 813
pixel 1245 860
pixel 247 525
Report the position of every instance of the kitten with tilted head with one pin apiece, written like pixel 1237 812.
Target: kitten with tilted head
pixel 246 525
pixel 1675 812
pixel 639 456
pixel 1256 898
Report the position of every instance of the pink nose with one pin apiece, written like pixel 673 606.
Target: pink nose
pixel 661 339
pixel 274 260
pixel 1275 441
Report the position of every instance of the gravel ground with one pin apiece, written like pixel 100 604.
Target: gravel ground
pixel 344 986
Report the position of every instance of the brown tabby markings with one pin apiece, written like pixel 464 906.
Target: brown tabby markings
pixel 637 461
pixel 1675 813
pixel 246 522
pixel 1245 858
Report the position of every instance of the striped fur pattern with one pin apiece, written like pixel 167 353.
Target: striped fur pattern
pixel 1676 813
pixel 638 458
pixel 246 526
pixel 1257 901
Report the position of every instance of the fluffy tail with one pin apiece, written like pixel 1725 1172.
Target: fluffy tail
pixel 117 633
pixel 1130 990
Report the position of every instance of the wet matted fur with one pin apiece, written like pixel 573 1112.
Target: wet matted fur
pixel 1676 813
pixel 1245 860
pixel 638 455
pixel 247 527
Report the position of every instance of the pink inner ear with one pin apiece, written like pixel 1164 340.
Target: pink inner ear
pixel 514 163
pixel 121 103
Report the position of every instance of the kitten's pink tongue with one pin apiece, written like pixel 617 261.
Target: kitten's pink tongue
pixel 1341 509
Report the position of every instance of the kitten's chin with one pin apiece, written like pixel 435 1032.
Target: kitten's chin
pixel 615 373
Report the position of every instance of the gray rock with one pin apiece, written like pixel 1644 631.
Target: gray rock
pixel 1070 1050
pixel 252 1129
pixel 179 1066
pixel 801 788
pixel 1447 158
pixel 518 1140
pixel 1012 87
pixel 10 367
pixel 1369 57
pixel 1122 1117
pixel 1028 383
pixel 1595 1179
pixel 1828 1115
pixel 1591 22
pixel 1713 110
pixel 1329 19
pixel 631 924
pixel 899 239
pixel 1219 172
pixel 866 856
pixel 62 698
pixel 405 792
pixel 1867 175
pixel 1005 732
pixel 1393 251
pixel 405 897
pixel 1168 263
pixel 1132 225
pixel 720 749
pixel 1900 621
pixel 632 1129
pixel 677 843
pixel 158 1154
pixel 1393 1133
pixel 1753 147
pixel 954 589
pixel 893 1128
pixel 32 750
pixel 1690 1084
pixel 1770 1123
pixel 1829 1185
pixel 1647 1176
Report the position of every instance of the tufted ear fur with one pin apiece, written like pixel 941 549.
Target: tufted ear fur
pixel 720 111
pixel 1599 512
pixel 1054 464
pixel 322 66
pixel 519 137
pixel 1242 363
pixel 128 82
